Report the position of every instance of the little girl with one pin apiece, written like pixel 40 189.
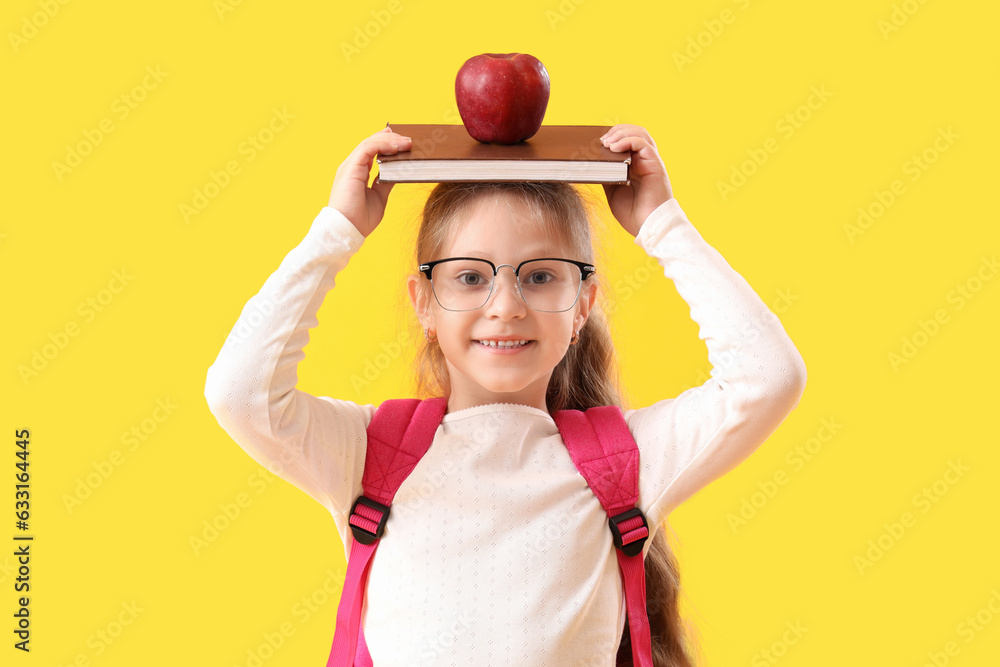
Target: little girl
pixel 524 573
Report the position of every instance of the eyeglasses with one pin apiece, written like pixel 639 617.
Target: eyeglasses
pixel 548 284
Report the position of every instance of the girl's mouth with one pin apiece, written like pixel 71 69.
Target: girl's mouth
pixel 504 344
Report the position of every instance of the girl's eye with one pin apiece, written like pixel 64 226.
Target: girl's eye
pixel 539 278
pixel 471 279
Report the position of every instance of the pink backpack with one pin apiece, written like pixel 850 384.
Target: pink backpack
pixel 400 433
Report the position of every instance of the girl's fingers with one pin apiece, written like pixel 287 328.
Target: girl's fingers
pixel 625 143
pixel 622 130
pixel 650 185
pixel 386 143
pixel 358 165
pixel 382 190
pixel 351 194
pixel 644 148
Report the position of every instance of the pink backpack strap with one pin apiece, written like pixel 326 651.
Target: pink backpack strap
pixel 603 450
pixel 399 434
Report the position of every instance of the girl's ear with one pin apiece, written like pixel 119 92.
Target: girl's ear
pixel 587 299
pixel 419 299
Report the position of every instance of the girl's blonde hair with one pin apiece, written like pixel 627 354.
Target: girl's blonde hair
pixel 586 377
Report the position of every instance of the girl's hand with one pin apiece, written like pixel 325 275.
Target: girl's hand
pixel 649 187
pixel 350 194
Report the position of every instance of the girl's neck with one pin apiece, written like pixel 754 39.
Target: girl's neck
pixel 466 392
pixel 463 401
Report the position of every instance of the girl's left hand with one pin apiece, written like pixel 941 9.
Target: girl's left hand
pixel 649 187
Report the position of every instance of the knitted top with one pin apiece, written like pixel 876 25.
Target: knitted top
pixel 496 552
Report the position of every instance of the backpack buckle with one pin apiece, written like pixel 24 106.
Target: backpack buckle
pixel 636 533
pixel 368 521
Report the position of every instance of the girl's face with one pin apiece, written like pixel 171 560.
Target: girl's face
pixel 500 230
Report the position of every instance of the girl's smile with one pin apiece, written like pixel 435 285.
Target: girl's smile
pixel 504 351
pixel 503 345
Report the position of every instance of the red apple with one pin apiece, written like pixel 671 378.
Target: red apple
pixel 502 96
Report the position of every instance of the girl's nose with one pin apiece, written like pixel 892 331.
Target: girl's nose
pixel 505 301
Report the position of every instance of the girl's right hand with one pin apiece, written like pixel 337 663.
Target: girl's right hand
pixel 363 205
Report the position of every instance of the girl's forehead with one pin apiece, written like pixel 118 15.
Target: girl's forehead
pixel 502 226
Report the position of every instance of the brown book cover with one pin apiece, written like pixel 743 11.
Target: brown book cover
pixel 565 153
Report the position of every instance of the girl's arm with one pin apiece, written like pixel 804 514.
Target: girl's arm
pixel 757 373
pixel 316 443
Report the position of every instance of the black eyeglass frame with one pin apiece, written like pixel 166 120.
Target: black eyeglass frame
pixel 586 270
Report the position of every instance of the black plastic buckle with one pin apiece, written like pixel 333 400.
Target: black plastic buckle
pixel 360 534
pixel 635 546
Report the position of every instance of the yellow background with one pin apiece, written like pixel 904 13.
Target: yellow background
pixel 847 302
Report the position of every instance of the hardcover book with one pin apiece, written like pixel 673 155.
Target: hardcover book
pixel 556 153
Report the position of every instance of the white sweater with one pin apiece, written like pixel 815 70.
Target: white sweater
pixel 496 552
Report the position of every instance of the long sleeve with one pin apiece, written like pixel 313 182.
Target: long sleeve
pixel 756 380
pixel 317 444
